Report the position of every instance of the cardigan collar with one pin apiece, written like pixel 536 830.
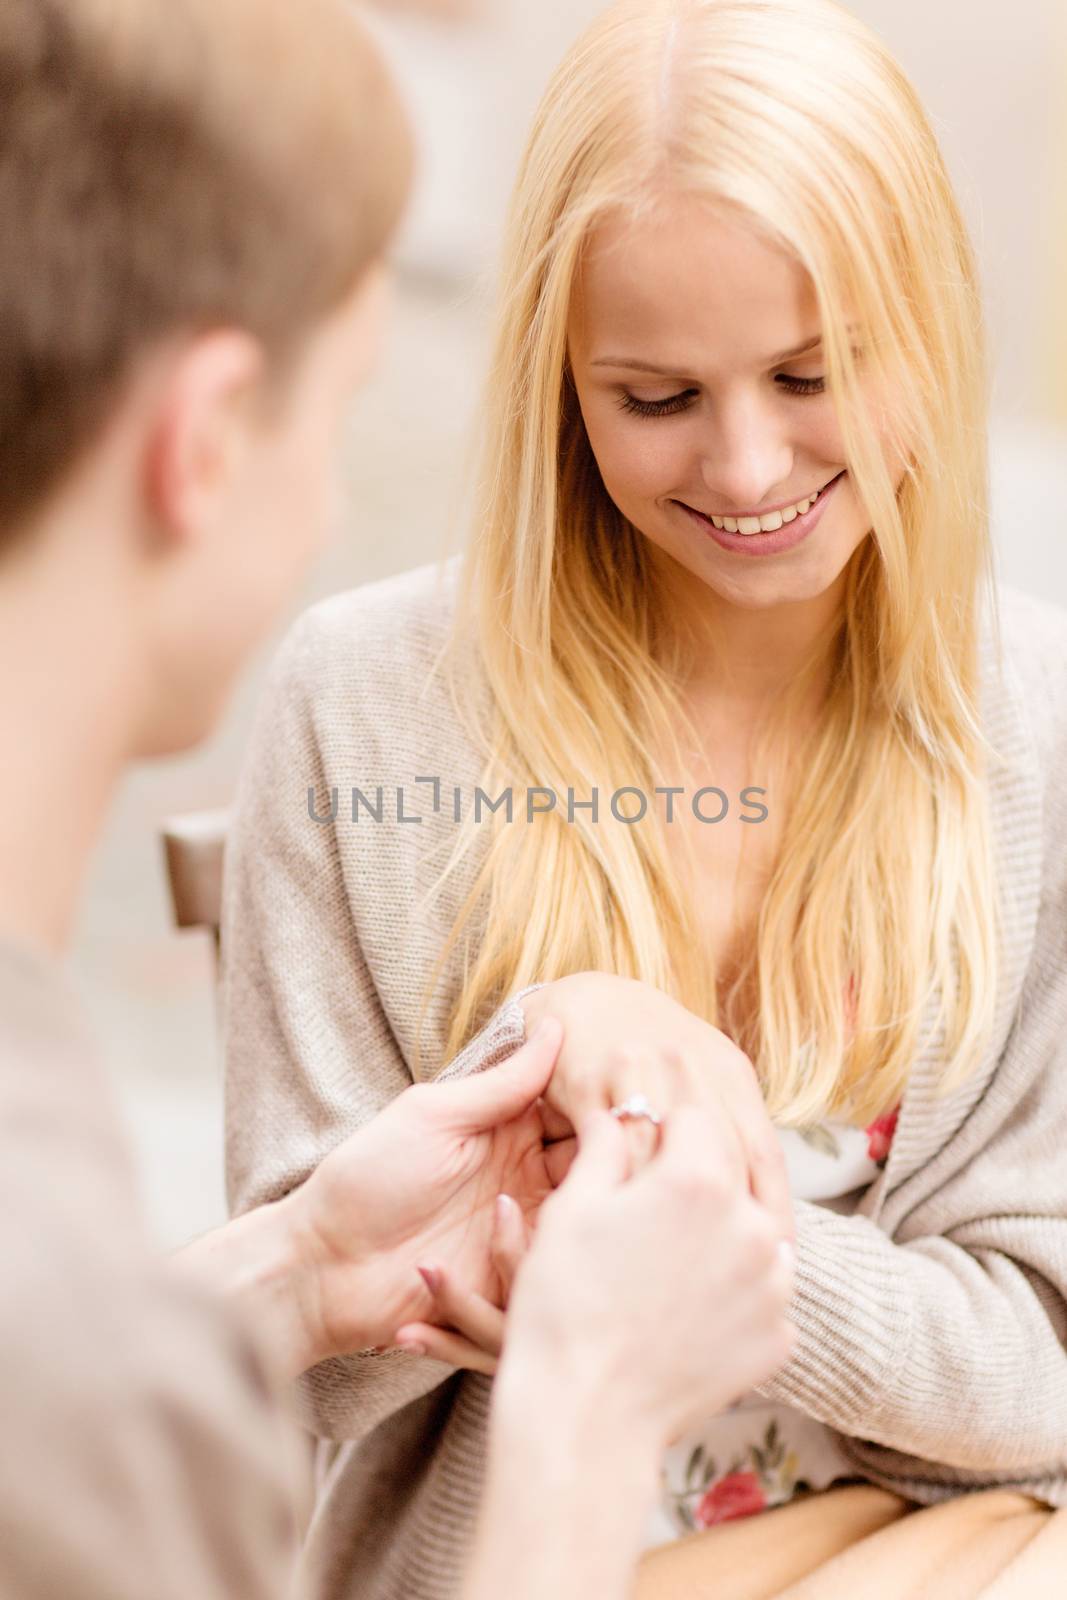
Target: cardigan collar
pixel 927 1120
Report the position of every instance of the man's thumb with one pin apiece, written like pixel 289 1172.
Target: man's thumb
pixel 501 1093
pixel 603 1159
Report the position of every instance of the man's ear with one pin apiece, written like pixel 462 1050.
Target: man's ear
pixel 201 430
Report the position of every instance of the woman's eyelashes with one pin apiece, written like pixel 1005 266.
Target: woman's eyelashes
pixel 657 408
pixel 801 385
pixel 681 402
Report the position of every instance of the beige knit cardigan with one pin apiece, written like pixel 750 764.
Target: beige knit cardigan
pixel 932 1323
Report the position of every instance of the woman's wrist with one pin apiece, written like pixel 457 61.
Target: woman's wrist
pixel 531 1002
pixel 552 998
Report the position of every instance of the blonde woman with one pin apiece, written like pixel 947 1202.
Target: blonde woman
pixel 787 830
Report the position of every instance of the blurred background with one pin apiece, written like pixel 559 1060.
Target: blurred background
pixel 992 77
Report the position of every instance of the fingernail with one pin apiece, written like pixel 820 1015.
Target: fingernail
pixel 411 1346
pixel 787 1255
pixel 504 1203
pixel 431 1277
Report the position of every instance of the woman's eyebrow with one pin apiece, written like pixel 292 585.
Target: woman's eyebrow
pixel 663 370
pixel 634 366
pixel 801 350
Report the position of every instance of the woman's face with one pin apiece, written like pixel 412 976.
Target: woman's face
pixel 694 346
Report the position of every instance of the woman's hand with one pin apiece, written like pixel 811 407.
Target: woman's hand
pixel 623 1037
pixel 420 1184
pixel 669 1288
pixel 468 1329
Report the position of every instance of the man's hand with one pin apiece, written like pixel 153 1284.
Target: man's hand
pixel 624 1037
pixel 645 1305
pixel 419 1185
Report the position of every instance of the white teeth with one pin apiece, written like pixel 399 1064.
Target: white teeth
pixel 771 521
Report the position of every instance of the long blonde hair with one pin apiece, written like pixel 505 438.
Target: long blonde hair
pixel 792 114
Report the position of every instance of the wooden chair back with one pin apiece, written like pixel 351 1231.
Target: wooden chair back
pixel 194 846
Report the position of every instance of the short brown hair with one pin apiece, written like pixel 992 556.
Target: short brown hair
pixel 169 165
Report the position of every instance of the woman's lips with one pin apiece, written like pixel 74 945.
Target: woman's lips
pixel 773 542
pixel 749 522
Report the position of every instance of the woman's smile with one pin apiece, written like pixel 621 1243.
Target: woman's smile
pixel 768 520
pixel 770 532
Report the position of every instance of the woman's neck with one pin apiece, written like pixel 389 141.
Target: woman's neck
pixel 741 659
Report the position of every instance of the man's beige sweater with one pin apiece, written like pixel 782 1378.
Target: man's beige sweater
pixel 932 1323
pixel 140 1457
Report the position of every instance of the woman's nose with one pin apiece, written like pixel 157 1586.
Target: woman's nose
pixel 747 460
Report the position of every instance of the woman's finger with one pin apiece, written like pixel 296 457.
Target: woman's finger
pixel 702 1138
pixel 511 1240
pixel 441 1344
pixel 578 1102
pixel 769 1184
pixel 768 1178
pixel 642 1137
pixel 645 1080
pixel 556 1125
pixel 558 1158
pixel 470 1314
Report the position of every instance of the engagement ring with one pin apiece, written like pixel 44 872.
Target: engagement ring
pixel 637 1106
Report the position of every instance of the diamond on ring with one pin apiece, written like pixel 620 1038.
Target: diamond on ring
pixel 637 1106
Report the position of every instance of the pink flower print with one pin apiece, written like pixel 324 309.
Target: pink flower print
pixel 738 1495
pixel 880 1135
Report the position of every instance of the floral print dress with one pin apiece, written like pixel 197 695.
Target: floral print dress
pixel 759 1453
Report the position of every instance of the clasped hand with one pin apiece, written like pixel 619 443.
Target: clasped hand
pixel 620 1038
pixel 420 1183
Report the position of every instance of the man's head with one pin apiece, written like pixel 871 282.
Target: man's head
pixel 196 199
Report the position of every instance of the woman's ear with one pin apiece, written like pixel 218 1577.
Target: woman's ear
pixel 198 443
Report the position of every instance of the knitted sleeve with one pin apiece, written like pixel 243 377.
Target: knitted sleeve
pixel 938 1346
pixel 310 1028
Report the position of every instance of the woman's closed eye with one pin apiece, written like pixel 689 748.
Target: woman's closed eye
pixel 657 408
pixel 682 401
pixel 801 385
